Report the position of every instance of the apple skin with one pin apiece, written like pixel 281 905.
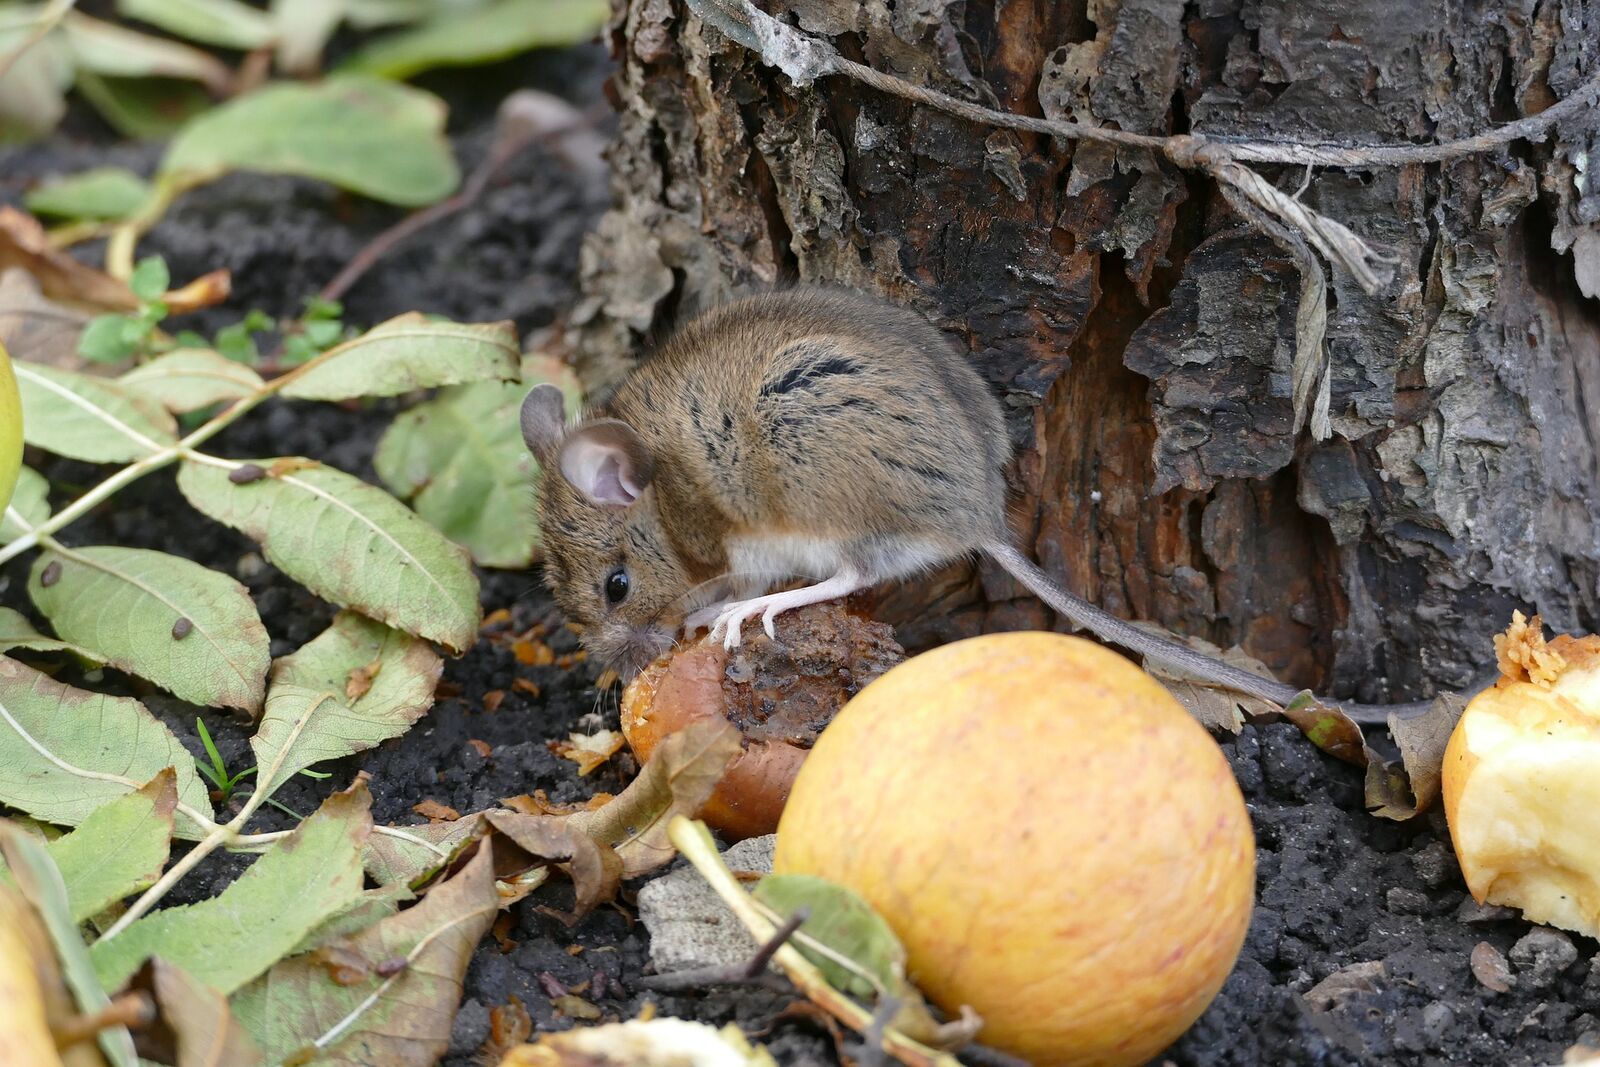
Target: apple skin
pixel 1056 841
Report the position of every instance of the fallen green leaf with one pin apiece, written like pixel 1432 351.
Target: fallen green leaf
pixel 30 499
pixel 410 352
pixel 400 1013
pixel 108 49
pixel 226 23
pixel 191 630
pixel 17 632
pixel 88 418
pixel 314 712
pixel 119 849
pixel 231 938
pixel 348 542
pixel 492 32
pixel 189 379
pixel 64 752
pixel 99 193
pixel 143 108
pixel 371 906
pixel 361 133
pixel 461 461
pixel 405 855
pixel 845 923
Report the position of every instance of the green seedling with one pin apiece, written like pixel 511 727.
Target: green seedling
pixel 217 774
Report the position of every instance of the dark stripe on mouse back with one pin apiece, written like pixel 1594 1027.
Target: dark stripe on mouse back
pixel 825 362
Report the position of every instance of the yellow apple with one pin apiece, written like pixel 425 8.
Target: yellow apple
pixel 1057 842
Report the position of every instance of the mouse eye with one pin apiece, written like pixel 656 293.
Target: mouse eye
pixel 617 585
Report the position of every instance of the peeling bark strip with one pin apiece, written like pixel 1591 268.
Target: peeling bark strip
pixel 1142 332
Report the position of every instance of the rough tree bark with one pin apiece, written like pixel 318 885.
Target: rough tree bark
pixel 1140 334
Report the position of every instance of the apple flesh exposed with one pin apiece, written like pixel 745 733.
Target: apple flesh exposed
pixel 1521 781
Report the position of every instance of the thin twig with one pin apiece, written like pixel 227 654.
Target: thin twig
pixel 805 58
pixel 752 971
pixel 510 144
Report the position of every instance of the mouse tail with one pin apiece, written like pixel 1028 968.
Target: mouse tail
pixel 1173 655
pixel 1169 654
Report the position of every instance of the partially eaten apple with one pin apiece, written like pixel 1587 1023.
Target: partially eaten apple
pixel 780 694
pixel 1521 780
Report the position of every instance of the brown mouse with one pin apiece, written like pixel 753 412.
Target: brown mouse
pixel 813 434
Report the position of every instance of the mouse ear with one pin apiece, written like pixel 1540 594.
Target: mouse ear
pixel 544 420
pixel 607 462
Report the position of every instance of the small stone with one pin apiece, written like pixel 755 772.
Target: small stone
pixel 1345 983
pixel 1401 901
pixel 470 1029
pixel 1542 955
pixel 689 924
pixel 1471 911
pixel 1435 865
pixel 1489 967
pixel 1436 1019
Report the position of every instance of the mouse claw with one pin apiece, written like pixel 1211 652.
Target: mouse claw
pixel 766 622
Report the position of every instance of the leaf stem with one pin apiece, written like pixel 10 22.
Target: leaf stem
pixel 166 188
pixel 150 897
pixel 694 844
pixel 162 457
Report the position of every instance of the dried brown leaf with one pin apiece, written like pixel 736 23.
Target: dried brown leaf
pixel 432 809
pixel 1422 740
pixel 205 291
pixel 204 1029
pixel 676 780
pixel 43 328
pixel 589 751
pixel 24 243
pixel 595 868
pixel 1216 707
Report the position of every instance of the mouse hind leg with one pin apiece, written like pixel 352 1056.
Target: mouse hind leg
pixel 730 621
pixel 859 565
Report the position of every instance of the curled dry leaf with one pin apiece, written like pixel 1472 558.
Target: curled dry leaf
pixel 432 809
pixel 208 290
pixel 1217 707
pixel 203 1031
pixel 589 751
pixel 627 836
pixel 24 243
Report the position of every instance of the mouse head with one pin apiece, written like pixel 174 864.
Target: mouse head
pixel 607 558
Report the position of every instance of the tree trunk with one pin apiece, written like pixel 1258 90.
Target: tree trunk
pixel 1140 333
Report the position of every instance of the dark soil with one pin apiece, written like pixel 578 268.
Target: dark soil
pixel 1336 887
